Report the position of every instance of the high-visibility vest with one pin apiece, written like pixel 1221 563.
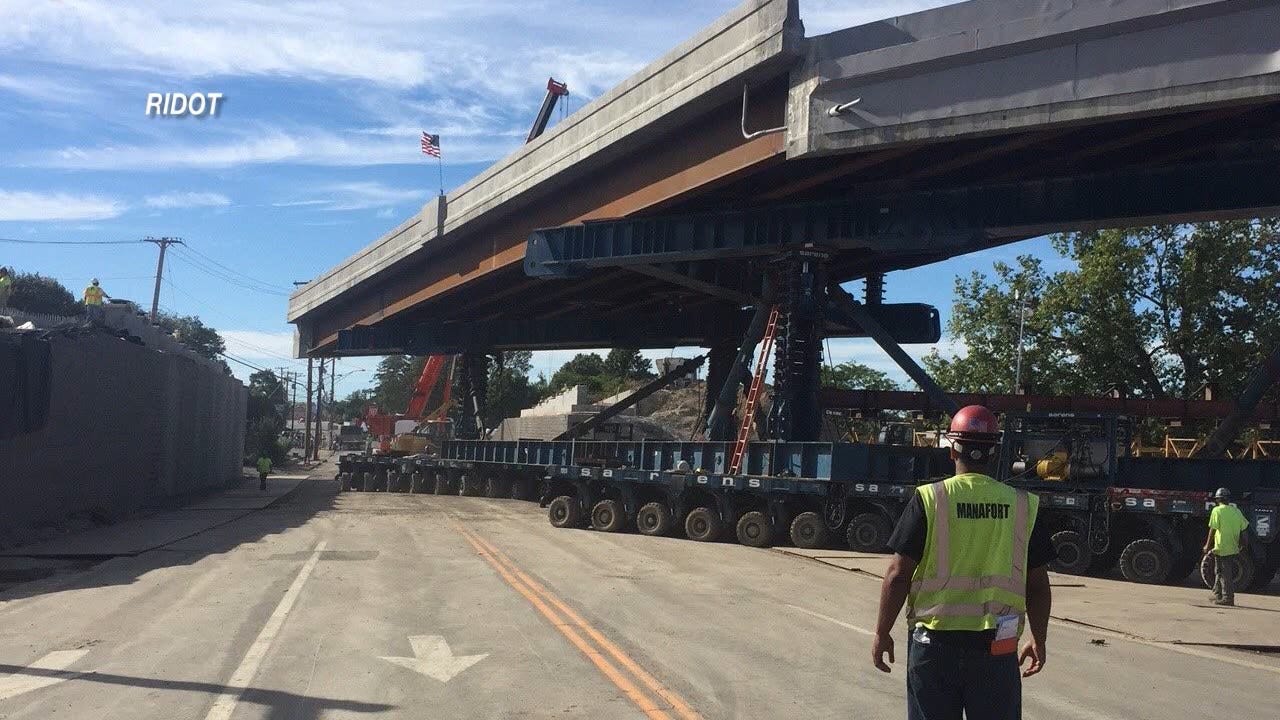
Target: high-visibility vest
pixel 93 295
pixel 5 281
pixel 974 567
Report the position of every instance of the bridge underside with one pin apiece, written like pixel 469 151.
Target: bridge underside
pixel 681 275
pixel 651 217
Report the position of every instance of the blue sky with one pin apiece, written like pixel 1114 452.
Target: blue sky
pixel 314 153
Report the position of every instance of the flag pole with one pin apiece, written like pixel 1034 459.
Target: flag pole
pixel 440 165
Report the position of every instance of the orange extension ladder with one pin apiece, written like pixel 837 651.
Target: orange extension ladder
pixel 753 395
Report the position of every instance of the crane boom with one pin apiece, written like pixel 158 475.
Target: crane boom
pixel 555 91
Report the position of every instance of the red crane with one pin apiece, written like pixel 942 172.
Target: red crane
pixel 384 425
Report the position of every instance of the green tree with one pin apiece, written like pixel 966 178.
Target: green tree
pixel 352 406
pixel 265 417
pixel 1158 310
pixel 586 369
pixel 856 376
pixel 628 364
pixel 36 293
pixel 510 390
pixel 394 381
pixel 192 332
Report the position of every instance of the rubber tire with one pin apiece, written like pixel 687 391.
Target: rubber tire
pixel 1070 553
pixel 1262 578
pixel 1183 564
pixel 868 532
pixel 395 482
pixel 809 531
pixel 755 530
pixel 1146 561
pixel 1244 580
pixel 608 516
pixel 519 489
pixel 654 519
pixel 469 486
pixel 344 481
pixel 493 487
pixel 564 512
pixel 368 481
pixel 703 524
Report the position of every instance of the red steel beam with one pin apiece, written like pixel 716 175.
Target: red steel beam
pixel 693 158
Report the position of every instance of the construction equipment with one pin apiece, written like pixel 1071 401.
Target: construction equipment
pixel 429 428
pixel 753 395
pixel 555 91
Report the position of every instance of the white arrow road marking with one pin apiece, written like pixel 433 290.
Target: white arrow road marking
pixel 54 664
pixel 433 658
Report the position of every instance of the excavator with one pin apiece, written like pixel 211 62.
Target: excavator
pixel 431 428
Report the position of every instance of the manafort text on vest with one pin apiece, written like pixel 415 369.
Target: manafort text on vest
pixel 982 511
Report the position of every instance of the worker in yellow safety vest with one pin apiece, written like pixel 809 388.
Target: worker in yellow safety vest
pixel 264 469
pixel 93 296
pixel 6 287
pixel 1228 535
pixel 970 562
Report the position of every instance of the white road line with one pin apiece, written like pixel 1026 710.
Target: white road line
pixel 54 663
pixel 244 674
pixel 830 619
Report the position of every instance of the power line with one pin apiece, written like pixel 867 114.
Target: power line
pixel 232 270
pixel 226 277
pixel 70 242
pixel 230 274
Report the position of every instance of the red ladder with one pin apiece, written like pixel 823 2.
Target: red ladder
pixel 757 382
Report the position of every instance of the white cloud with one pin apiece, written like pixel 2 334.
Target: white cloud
pixel 187 200
pixel 259 345
pixel 34 206
pixel 309 146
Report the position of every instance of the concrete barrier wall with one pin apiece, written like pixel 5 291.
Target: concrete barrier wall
pixel 128 426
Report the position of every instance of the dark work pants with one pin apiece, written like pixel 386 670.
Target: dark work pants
pixel 946 678
pixel 262 481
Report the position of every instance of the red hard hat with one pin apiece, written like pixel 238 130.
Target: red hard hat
pixel 974 423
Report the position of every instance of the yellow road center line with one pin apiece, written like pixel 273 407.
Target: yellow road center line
pixel 641 701
pixel 674 700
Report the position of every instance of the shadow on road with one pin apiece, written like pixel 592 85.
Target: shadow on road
pixel 311 498
pixel 281 704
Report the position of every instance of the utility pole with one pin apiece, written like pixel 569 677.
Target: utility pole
pixel 164 244
pixel 315 447
pixel 1022 324
pixel 306 440
pixel 333 375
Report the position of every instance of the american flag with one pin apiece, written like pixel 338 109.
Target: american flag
pixel 430 144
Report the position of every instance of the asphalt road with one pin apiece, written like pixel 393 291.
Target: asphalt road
pixel 352 605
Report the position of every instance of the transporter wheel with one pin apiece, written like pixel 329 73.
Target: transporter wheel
pixel 470 486
pixel 368 481
pixel 344 481
pixel 1070 553
pixel 395 482
pixel 809 531
pixel 519 489
pixel 868 532
pixel 494 487
pixel 755 530
pixel 1182 565
pixel 564 512
pixel 608 516
pixel 1262 578
pixel 418 483
pixel 654 519
pixel 1145 561
pixel 703 524
pixel 1244 571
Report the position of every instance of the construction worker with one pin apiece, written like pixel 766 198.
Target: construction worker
pixel 971 564
pixel 6 287
pixel 264 469
pixel 1228 534
pixel 93 296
